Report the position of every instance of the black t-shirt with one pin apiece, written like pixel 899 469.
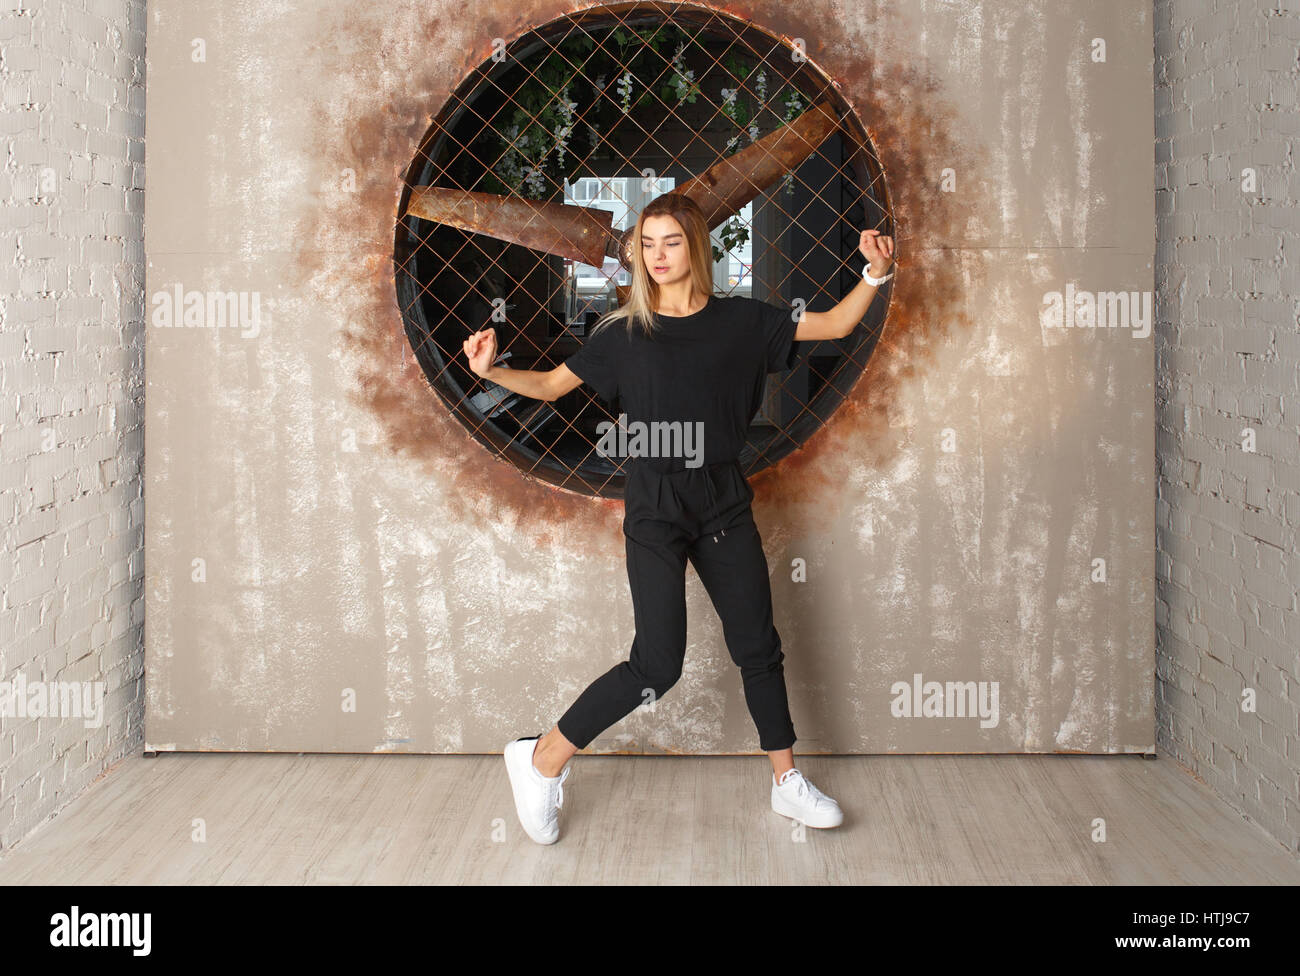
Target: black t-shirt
pixel 707 368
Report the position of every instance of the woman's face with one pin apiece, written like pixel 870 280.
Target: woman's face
pixel 664 250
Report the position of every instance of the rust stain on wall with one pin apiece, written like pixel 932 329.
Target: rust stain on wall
pixel 915 136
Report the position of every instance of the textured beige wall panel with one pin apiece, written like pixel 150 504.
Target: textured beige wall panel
pixel 465 604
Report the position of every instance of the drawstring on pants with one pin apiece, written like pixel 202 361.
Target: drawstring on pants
pixel 677 495
pixel 708 482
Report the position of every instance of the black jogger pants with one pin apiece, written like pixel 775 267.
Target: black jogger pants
pixel 702 514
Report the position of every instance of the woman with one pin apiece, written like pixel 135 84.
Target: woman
pixel 683 358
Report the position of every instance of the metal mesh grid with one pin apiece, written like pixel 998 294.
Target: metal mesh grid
pixel 681 61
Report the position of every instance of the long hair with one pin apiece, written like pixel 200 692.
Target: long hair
pixel 643 295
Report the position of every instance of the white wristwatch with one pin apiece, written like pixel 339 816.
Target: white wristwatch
pixel 866 276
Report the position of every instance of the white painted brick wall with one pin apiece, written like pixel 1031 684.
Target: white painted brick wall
pixel 71 368
pixel 1228 358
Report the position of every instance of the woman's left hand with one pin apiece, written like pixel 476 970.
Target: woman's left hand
pixel 878 249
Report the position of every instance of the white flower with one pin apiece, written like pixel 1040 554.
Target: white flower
pixel 625 90
pixel 563 130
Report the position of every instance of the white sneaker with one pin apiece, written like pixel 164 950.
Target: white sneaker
pixel 538 798
pixel 798 799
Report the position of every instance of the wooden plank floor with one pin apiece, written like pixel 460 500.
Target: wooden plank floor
pixel 398 819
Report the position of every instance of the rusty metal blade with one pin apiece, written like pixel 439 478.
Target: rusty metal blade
pixel 730 183
pixel 586 233
pixel 581 233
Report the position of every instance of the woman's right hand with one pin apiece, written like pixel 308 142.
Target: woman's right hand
pixel 481 351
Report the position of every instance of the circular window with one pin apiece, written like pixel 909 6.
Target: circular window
pixel 515 207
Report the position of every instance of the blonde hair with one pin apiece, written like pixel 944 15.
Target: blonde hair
pixel 643 293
